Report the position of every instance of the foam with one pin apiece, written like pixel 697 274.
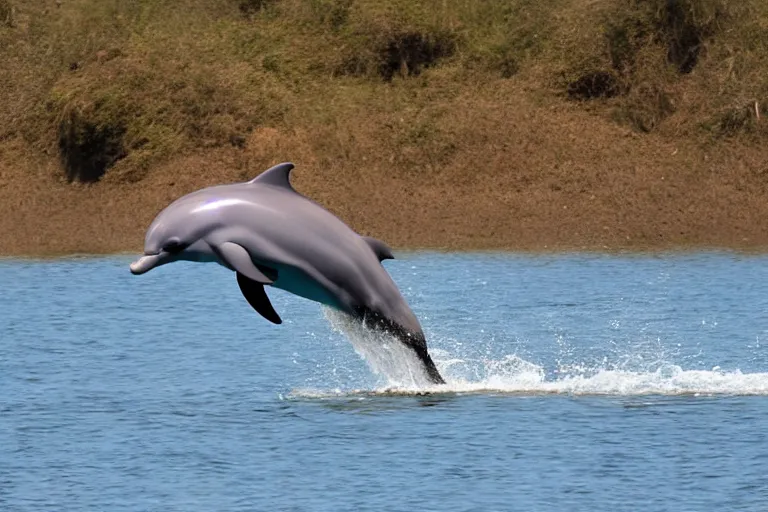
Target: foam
pixel 642 371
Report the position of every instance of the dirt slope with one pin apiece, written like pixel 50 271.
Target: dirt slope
pixel 588 125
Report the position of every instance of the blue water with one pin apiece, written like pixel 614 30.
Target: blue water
pixel 594 383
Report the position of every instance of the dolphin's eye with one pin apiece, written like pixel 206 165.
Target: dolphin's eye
pixel 173 245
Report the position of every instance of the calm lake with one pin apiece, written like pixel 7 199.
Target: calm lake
pixel 576 383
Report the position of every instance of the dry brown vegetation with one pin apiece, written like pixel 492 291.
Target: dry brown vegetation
pixel 511 124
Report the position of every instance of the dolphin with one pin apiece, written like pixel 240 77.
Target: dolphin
pixel 269 234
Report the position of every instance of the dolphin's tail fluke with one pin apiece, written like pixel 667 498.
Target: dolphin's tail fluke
pixel 429 365
pixel 415 341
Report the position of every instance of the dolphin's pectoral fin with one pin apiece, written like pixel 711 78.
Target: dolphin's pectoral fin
pixel 382 250
pixel 237 258
pixel 257 297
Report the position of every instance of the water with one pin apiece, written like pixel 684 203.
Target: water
pixel 595 383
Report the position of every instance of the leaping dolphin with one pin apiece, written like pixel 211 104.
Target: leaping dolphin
pixel 269 234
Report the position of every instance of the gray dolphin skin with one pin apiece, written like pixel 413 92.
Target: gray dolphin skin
pixel 269 234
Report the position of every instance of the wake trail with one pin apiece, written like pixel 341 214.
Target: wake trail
pixel 670 380
pixel 402 373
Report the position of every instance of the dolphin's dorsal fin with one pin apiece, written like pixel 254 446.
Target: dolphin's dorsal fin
pixel 379 248
pixel 277 176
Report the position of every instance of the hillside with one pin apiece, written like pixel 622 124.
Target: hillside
pixel 453 124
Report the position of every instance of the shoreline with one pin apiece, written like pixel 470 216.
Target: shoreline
pixel 668 251
pixel 606 190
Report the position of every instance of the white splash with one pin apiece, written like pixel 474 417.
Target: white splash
pixel 400 372
pixel 521 377
pixel 387 357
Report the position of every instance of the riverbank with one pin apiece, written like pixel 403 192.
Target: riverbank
pixel 572 126
pixel 633 193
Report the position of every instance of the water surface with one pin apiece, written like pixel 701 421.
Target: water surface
pixel 600 383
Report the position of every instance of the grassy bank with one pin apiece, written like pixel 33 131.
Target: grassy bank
pixel 454 123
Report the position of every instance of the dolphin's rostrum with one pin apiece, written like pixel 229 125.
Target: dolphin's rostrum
pixel 269 234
